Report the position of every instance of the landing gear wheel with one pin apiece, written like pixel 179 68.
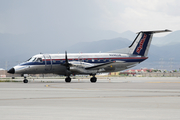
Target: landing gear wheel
pixel 25 81
pixel 93 79
pixel 68 79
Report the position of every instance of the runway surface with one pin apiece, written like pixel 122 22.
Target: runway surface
pixel 118 98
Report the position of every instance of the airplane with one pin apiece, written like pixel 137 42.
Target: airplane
pixel 88 63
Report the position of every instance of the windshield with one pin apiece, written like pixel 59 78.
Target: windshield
pixel 31 59
pixel 34 59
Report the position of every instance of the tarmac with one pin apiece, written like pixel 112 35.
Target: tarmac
pixel 131 98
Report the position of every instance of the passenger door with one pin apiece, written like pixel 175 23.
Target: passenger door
pixel 48 62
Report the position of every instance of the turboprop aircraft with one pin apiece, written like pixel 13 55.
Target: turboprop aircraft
pixel 88 63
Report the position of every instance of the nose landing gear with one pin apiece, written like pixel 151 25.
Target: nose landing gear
pixel 93 79
pixel 25 80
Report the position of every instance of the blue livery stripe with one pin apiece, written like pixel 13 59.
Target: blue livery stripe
pixel 89 60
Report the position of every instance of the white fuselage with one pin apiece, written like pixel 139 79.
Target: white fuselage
pixel 53 63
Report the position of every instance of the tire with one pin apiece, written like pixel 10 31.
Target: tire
pixel 25 81
pixel 68 80
pixel 93 79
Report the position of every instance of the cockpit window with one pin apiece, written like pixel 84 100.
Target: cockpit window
pixel 39 60
pixel 34 59
pixel 31 59
pixel 28 59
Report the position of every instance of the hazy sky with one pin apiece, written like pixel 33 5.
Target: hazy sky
pixel 31 16
pixel 28 27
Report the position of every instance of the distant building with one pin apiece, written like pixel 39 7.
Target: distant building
pixel 2 73
pixel 144 70
pixel 114 73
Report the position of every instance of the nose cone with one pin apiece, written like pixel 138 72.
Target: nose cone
pixel 12 71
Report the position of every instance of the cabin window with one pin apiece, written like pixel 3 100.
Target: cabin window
pixel 86 60
pixel 92 60
pixel 98 60
pixel 54 61
pixel 104 60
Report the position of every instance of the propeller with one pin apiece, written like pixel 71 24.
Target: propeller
pixel 67 64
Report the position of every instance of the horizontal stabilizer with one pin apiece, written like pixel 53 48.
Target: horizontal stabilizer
pixel 155 31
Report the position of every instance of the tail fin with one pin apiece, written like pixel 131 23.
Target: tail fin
pixel 141 44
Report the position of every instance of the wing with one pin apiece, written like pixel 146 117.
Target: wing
pixel 100 66
pixel 91 66
pixel 77 67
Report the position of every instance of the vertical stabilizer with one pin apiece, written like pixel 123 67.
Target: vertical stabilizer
pixel 141 44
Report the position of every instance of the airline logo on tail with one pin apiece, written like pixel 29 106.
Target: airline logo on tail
pixel 141 43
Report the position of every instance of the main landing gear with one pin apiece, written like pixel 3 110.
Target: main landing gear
pixel 25 80
pixel 93 79
pixel 68 79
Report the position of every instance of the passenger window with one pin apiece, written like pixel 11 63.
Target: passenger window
pixel 54 61
pixel 80 60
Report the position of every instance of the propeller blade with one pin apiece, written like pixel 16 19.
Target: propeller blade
pixel 66 61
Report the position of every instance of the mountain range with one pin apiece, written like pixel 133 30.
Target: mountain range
pixel 163 53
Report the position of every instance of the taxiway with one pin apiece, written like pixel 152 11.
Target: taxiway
pixel 118 98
